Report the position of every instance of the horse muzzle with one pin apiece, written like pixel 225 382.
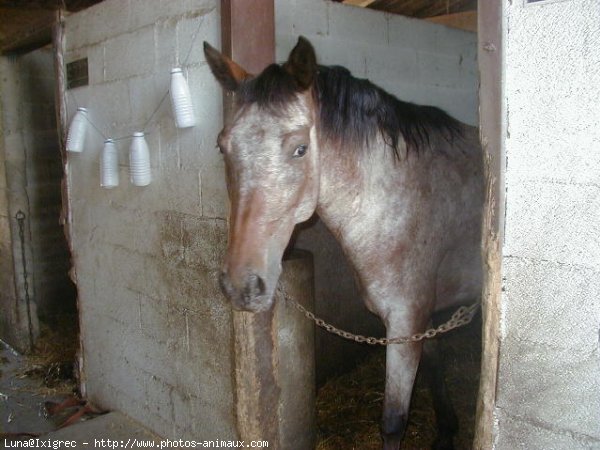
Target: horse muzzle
pixel 249 295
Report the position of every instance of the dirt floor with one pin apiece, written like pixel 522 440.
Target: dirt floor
pixel 349 407
pixel 29 382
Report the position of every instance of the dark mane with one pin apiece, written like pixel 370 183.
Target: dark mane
pixel 353 110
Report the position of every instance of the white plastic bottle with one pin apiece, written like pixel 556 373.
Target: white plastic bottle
pixel 77 129
pixel 181 100
pixel 139 161
pixel 109 165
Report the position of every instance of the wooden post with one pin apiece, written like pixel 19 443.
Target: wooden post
pixel 492 108
pixel 275 365
pixel 274 351
pixel 247 37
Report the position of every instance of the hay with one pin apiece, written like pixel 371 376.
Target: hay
pixel 349 407
pixel 52 361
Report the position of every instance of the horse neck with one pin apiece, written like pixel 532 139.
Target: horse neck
pixel 342 190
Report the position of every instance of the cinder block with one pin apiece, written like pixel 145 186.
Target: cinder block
pixel 176 190
pixel 537 292
pixel 154 321
pixel 452 41
pixel 119 304
pixel 192 146
pixel 519 433
pixel 168 157
pixel 192 290
pixel 165 46
pixel 348 23
pixel 130 54
pixel 179 191
pixel 542 383
pixel 145 13
pixel 408 32
pixel 108 107
pixel 159 401
pixel 204 242
pixel 341 51
pixel 307 18
pixel 145 97
pixel 123 227
pixel 208 106
pixel 390 66
pixel 128 378
pixel 551 221
pixel 199 25
pixel 435 69
pixel 95 56
pixel 285 43
pixel 182 407
pixel 284 20
pixel 548 157
pixel 420 35
pixel 97 23
pixel 213 188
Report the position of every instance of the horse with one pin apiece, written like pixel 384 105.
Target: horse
pixel 399 185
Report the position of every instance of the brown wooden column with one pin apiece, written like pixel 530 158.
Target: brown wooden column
pixel 274 351
pixel 492 117
pixel 247 37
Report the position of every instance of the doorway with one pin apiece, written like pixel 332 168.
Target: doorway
pixel 38 295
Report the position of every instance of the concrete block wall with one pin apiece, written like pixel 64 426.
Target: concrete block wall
pixel 54 291
pixel 549 380
pixel 156 332
pixel 415 60
pixel 14 327
pixel 31 173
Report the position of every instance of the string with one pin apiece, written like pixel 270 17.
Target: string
pixel 162 100
pixel 194 36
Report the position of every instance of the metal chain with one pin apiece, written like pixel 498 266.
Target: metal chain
pixel 462 316
pixel 20 216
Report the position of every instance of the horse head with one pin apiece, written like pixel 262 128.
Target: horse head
pixel 271 159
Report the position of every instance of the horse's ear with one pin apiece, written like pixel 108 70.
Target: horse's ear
pixel 302 63
pixel 228 73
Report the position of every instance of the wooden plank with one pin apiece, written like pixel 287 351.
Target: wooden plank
pixel 463 21
pixel 247 37
pixel 25 30
pixel 274 350
pixel 361 3
pixel 492 110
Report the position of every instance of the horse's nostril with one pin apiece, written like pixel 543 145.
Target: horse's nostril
pixel 255 286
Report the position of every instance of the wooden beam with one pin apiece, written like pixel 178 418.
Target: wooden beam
pixel 463 20
pixel 25 30
pixel 361 3
pixel 492 118
pixel 274 384
pixel 247 37
pixel 248 32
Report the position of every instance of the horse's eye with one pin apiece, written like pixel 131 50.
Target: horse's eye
pixel 300 151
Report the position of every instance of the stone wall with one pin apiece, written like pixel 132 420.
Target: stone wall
pixel 156 331
pixel 31 174
pixel 549 380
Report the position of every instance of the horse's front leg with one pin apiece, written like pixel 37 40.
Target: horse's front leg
pixel 402 361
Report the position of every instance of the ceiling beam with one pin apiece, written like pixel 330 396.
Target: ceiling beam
pixel 25 30
pixel 70 5
pixel 361 3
